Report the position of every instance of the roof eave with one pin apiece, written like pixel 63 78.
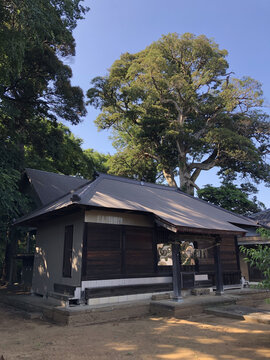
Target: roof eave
pixel 33 221
pixel 192 230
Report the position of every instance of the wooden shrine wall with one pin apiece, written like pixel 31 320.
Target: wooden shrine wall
pixel 119 251
pixel 114 251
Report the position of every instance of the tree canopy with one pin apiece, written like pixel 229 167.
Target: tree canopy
pixel 35 93
pixel 177 103
pixel 232 197
pixel 36 36
pixel 133 164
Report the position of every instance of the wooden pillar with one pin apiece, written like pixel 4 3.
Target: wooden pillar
pixel 218 267
pixel 176 272
pixel 237 253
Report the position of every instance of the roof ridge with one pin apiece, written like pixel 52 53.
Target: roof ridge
pixel 260 213
pixel 55 173
pixel 137 182
pixel 94 184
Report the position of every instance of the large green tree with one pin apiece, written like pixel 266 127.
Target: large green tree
pixel 177 103
pixel 35 84
pixel 35 38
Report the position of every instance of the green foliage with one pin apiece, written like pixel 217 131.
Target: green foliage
pixel 176 103
pixel 231 197
pixel 265 233
pixel 259 257
pixel 12 202
pixel 133 164
pixel 99 162
pixel 54 148
pixel 35 83
pixel 35 91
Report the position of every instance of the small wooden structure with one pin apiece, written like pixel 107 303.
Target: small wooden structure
pixel 115 239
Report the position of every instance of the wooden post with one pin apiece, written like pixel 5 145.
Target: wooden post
pixel 237 258
pixel 218 267
pixel 176 272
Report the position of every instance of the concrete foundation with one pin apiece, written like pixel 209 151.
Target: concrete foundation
pixel 88 314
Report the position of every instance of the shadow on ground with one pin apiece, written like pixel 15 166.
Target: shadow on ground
pixel 200 337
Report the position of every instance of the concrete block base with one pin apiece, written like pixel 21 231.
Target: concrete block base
pixel 86 314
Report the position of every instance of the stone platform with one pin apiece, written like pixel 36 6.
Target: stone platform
pixel 38 307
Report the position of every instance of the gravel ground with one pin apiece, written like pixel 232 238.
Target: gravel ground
pixel 198 337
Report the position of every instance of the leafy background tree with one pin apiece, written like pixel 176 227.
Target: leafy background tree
pixel 232 197
pixel 177 103
pixel 133 164
pixel 259 257
pixel 35 82
pixel 35 92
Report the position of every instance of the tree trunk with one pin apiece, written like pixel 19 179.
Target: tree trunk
pixel 186 184
pixel 169 178
pixel 187 187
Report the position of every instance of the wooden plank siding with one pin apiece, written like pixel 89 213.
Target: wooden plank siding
pixel 104 250
pixel 228 254
pixel 121 251
pixel 139 251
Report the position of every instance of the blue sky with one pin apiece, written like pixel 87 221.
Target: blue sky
pixel 113 27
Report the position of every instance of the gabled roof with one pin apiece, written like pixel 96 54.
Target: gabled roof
pixel 167 204
pixel 262 217
pixel 50 186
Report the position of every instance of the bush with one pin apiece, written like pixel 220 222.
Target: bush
pixel 259 257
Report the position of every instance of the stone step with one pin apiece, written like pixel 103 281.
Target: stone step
pixel 241 313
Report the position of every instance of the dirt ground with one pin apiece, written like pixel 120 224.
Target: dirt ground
pixel 199 337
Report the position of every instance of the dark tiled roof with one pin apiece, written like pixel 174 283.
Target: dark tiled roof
pixel 263 217
pixel 50 186
pixel 166 203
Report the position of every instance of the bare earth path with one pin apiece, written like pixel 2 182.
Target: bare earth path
pixel 200 337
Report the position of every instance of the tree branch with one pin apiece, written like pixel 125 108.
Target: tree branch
pixel 207 164
pixel 181 118
pixel 181 152
pixel 155 157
